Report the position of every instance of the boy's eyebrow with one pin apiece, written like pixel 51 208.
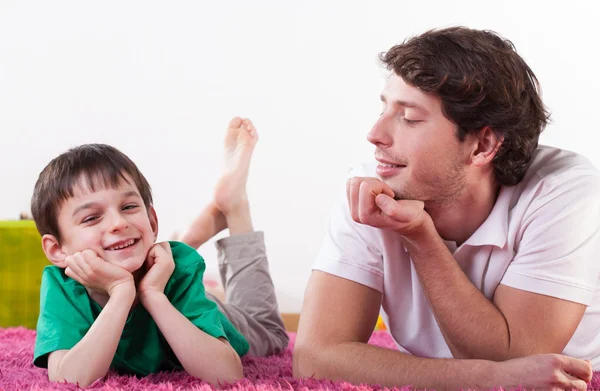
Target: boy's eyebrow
pixel 132 193
pixel 87 205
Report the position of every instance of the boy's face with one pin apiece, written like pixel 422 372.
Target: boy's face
pixel 113 222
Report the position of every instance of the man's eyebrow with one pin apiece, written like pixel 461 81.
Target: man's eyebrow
pixel 406 103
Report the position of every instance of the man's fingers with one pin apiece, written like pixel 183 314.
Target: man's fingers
pixel 404 211
pixel 574 383
pixel 579 368
pixel 355 195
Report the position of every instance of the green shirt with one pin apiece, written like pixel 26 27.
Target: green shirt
pixel 67 313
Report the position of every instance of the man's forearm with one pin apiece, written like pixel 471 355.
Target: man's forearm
pixel 390 368
pixel 471 324
pixel 89 360
pixel 200 354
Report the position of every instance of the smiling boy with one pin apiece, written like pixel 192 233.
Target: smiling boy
pixel 116 299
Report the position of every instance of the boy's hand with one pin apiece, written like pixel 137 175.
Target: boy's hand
pixel 93 272
pixel 159 266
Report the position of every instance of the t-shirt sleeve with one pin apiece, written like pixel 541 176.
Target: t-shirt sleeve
pixel 351 250
pixel 61 323
pixel 559 247
pixel 187 294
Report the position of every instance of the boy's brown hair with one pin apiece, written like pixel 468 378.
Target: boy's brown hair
pixel 98 164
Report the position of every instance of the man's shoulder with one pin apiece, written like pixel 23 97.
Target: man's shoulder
pixel 553 165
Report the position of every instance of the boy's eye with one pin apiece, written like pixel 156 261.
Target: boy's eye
pixel 89 219
pixel 129 207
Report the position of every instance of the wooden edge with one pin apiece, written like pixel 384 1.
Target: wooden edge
pixel 290 320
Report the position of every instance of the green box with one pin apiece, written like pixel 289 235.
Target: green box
pixel 21 263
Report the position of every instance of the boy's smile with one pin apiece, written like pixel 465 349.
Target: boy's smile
pixel 112 221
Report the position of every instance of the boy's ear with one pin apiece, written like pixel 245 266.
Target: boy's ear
pixel 53 251
pixel 153 221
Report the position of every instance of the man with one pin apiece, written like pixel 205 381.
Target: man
pixel 474 242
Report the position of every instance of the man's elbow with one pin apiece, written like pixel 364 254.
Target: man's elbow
pixel 306 359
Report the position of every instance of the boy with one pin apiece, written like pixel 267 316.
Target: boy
pixel 115 299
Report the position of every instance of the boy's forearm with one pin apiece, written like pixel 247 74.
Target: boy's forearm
pixel 206 225
pixel 89 360
pixel 200 354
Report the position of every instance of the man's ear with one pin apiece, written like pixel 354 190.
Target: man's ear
pixel 488 144
pixel 54 251
pixel 153 221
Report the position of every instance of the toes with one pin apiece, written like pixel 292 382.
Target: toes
pixel 236 122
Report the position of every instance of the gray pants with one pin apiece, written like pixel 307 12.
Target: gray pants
pixel 250 302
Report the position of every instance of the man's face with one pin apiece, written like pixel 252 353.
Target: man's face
pixel 113 222
pixel 420 156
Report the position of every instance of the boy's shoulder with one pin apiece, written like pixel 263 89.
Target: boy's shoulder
pixel 57 287
pixel 55 275
pixel 185 256
pixel 189 266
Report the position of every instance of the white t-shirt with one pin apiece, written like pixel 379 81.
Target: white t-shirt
pixel 542 236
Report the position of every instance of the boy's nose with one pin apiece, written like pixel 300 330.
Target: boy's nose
pixel 118 222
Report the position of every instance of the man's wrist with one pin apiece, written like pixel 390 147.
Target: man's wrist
pixel 423 238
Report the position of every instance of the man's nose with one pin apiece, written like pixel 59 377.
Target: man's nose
pixel 380 134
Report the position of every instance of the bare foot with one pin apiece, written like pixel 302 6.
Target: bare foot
pixel 230 192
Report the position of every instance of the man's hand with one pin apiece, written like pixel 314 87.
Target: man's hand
pixel 372 203
pixel 93 272
pixel 546 372
pixel 159 265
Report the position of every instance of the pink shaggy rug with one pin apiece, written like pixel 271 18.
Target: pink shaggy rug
pixel 262 374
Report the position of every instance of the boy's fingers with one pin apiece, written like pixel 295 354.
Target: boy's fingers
pixel 74 262
pixel 165 246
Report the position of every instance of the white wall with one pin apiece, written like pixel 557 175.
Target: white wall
pixel 160 81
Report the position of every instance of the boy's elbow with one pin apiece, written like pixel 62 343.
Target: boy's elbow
pixel 80 382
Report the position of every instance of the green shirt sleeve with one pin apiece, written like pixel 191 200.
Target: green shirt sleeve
pixel 185 290
pixel 65 315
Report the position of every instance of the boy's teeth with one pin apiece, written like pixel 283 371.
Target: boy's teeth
pixel 127 244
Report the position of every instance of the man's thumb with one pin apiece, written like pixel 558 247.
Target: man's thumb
pixel 387 204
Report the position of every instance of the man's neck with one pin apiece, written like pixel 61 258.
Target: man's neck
pixel 458 219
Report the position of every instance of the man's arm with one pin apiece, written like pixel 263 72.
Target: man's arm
pixel 89 360
pixel 201 355
pixel 517 323
pixel 337 320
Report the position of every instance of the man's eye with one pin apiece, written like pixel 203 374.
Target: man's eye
pixel 411 121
